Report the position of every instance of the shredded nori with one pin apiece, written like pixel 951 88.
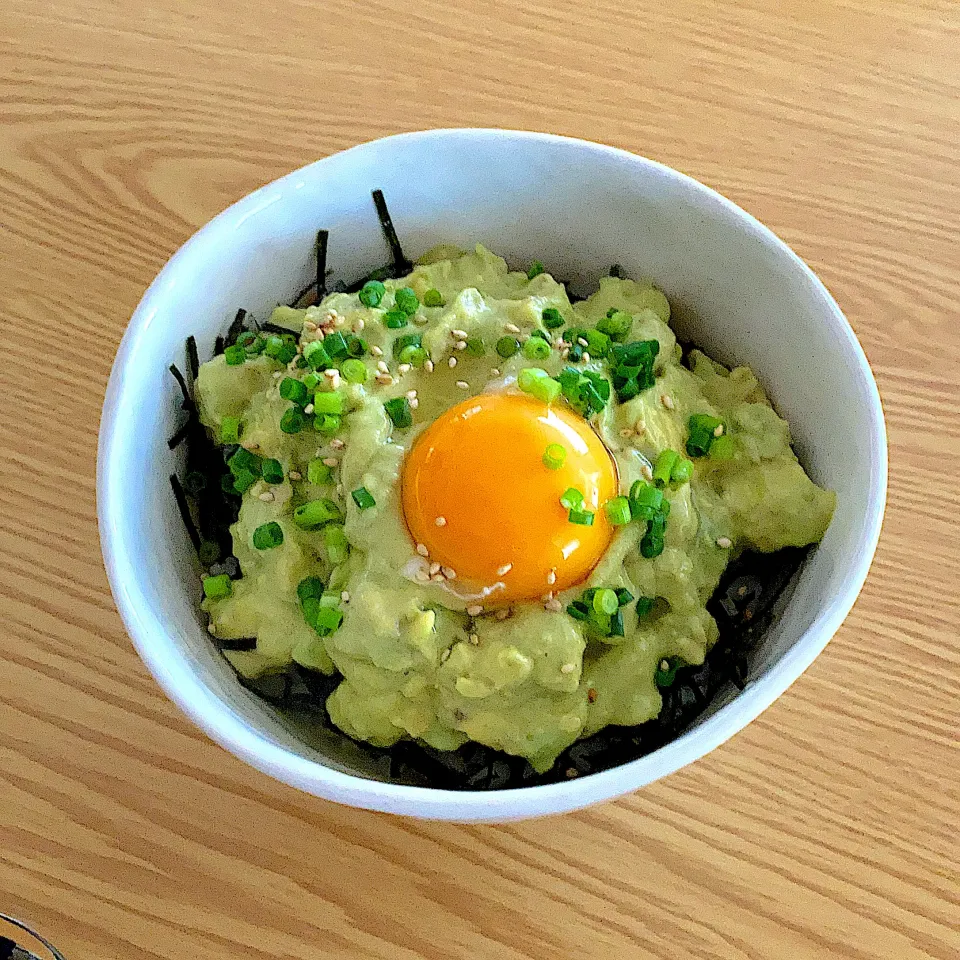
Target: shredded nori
pixel 743 605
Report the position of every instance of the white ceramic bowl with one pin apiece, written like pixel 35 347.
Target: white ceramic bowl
pixel 738 291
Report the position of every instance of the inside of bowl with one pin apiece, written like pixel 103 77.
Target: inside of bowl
pixel 578 209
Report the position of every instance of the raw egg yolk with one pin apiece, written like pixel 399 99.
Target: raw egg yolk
pixel 477 494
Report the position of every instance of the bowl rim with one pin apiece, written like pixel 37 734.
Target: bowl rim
pixel 228 728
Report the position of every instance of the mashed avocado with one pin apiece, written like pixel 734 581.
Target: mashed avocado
pixel 532 679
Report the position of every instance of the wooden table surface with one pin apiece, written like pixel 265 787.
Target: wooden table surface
pixel 828 828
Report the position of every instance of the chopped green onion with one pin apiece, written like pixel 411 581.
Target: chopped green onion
pixel 530 376
pixel 353 371
pixel 230 430
pixel 336 345
pixel 555 455
pixel 546 389
pixel 335 540
pixel 605 601
pixel 294 390
pixel 415 356
pixel 578 610
pixel 243 480
pixel 583 518
pixel 315 513
pixel 536 268
pixel 316 355
pixel 216 588
pixel 255 346
pixel 318 472
pixel 507 346
pixel 292 421
pixel 327 424
pixel 406 300
pixel 356 346
pixel 645 500
pixel 287 352
pixel 663 468
pixel 702 429
pixel 722 448
pixel 268 535
pixel 243 459
pixel 651 545
pixel 683 470
pixel 363 498
pixel 475 347
pixel 227 485
pixel 235 355
pixel 310 587
pixel 616 624
pixel 644 605
pixel 618 511
pixel 394 319
pixel 433 298
pixel 328 619
pixel 398 410
pixel 666 672
pixel 273 346
pixel 273 471
pixel 406 340
pixel 536 348
pixel 571 499
pixel 624 596
pixel 371 293
pixel 331 402
pixel 616 324
pixel 552 318
pixel 311 381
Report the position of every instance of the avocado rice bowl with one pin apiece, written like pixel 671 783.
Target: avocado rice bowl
pixel 661 488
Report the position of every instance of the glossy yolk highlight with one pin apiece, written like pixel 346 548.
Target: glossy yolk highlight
pixel 477 494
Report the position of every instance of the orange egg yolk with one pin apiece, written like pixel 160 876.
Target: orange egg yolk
pixel 477 494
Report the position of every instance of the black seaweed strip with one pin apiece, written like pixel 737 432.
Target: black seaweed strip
pixel 180 436
pixel 267 327
pixel 184 509
pixel 240 643
pixel 219 345
pixel 400 263
pixel 193 360
pixel 237 327
pixel 323 238
pixel 184 388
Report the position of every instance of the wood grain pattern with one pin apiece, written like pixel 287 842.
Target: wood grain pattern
pixel 827 829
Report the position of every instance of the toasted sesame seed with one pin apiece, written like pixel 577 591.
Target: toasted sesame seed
pixel 667 401
pixel 345 596
pixel 449 573
pixel 475 610
pixel 592 695
pixel 494 372
pixel 329 462
pixel 460 345
pixel 445 656
pixel 459 334
pixel 572 773
pixel 384 379
pixel 337 444
pixel 331 373
pixel 552 577
pixel 266 496
pixel 554 605
pixel 452 362
pixel 664 665
pixel 564 352
pixel 414 403
pixel 404 368
pixel 422 575
pixel 640 427
pixel 382 366
pixel 441 521
pixel 376 351
pixel 582 341
pixel 411 394
pixel 474 640
pixel 295 475
pixel 277 374
pixel 308 408
pixel 463 385
pixel 309 325
pixel 422 550
pixel 212 628
pixel 548 596
pixel 568 668
pixel 718 430
pixel 586 357
pixel 428 366
pixel 419 319
pixel 646 471
pixel 358 324
pixel 724 543
pixel 505 569
pixel 252 445
pixel 434 568
pixel 511 328
pixel 339 489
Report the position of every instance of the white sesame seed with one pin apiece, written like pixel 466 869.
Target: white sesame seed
pixel 724 543
pixel 359 324
pixel 308 408
pixel 376 351
pixel 554 606
pixel 441 521
pixel 331 373
pixel 422 576
pixel 505 569
pixel 445 656
pixel 437 578
pixel 449 573
pixel 337 444
pixel 309 325
pixel 718 430
pixel 295 475
pixel 565 352
pixel 252 445
pixel 667 401
pixel 460 345
pixel 384 379
pixel 664 665
pixel 345 596
pixel 474 640
pixel 428 366
pixel 414 403
pixel 277 374
pixel 552 577
pixel 422 550
pixel 404 368
pixel 452 362
pixel 266 496
pixel 511 328
pixel 640 427
pixel 568 668
pixel 646 471
pixel 382 366
pixel 494 372
pixel 463 385
pixel 411 394
pixel 459 334
pixel 212 628
pixel 475 610
pixel 434 569
pixel 328 462
pixel 582 341
pixel 586 357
